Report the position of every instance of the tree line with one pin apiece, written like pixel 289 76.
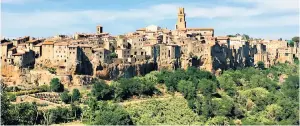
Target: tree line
pixel 245 96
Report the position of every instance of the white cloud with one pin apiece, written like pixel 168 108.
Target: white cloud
pixel 290 5
pixel 279 21
pixel 237 17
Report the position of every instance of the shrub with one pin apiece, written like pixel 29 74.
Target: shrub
pixel 52 70
pixel 75 95
pixel 56 86
pixel 65 97
pixel 101 90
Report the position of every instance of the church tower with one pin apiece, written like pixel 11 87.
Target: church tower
pixel 181 24
pixel 99 29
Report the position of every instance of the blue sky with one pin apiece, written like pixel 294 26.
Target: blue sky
pixel 270 19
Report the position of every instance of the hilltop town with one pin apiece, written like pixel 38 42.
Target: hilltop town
pixel 153 75
pixel 76 60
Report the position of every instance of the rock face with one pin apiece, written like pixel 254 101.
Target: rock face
pixel 114 71
pixel 37 77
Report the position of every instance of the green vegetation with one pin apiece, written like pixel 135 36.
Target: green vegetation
pixel 125 88
pixel 101 91
pixel 52 70
pixel 113 55
pixel 56 86
pixel 44 88
pixel 104 113
pixel 65 97
pixel 75 95
pixel 173 111
pixel 260 96
pixel 261 65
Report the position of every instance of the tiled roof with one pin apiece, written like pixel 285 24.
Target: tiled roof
pixel 48 43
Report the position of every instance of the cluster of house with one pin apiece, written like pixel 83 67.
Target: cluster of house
pixel 177 48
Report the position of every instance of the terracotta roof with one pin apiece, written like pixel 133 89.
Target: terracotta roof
pixel 48 43
pixel 32 41
pixel 61 44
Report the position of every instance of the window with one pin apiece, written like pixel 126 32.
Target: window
pixel 180 19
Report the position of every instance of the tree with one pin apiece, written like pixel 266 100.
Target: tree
pixel 5 117
pixel 75 95
pixel 261 65
pixel 113 55
pixel 23 114
pixel 65 97
pixel 207 87
pixel 56 86
pixel 218 120
pixel 101 90
pixel 226 82
pixel 295 39
pixel 109 114
pixel 222 106
pixel 187 88
pixel 291 87
pixel 173 79
pixel 291 43
pixel 245 37
pixel 172 111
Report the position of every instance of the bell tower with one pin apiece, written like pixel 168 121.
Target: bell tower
pixel 181 24
pixel 99 29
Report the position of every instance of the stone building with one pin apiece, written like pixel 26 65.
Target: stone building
pixel 102 55
pixel 24 59
pixel 60 52
pixel 181 23
pixel 48 51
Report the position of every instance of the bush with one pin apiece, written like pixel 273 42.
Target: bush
pixel 75 95
pixel 101 90
pixel 187 88
pixel 13 88
pixel 103 113
pixel 44 88
pixel 126 88
pixel 113 55
pixel 56 86
pixel 65 97
pixel 52 70
pixel 11 97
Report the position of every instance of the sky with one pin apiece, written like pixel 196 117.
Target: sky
pixel 269 19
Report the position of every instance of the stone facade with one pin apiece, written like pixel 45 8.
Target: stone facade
pixel 79 58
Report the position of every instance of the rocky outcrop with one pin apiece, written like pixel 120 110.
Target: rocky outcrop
pixel 114 71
